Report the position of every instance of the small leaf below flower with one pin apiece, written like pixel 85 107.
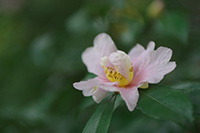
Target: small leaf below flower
pixel 99 122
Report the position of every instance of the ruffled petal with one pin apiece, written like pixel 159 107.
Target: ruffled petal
pixel 88 87
pixel 130 96
pixel 136 51
pixel 152 65
pixel 103 46
pixel 151 46
pixel 156 74
pixel 158 65
pixel 110 87
pixel 92 61
pixel 94 88
pixel 140 55
pixel 99 95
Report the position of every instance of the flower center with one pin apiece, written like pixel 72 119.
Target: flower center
pixel 118 68
pixel 115 76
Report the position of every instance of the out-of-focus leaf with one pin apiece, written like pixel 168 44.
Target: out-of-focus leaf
pixel 100 120
pixel 197 122
pixel 126 122
pixel 41 50
pixel 162 102
pixel 192 89
pixel 89 76
pixel 87 102
pixel 173 25
pixel 132 32
pixel 78 22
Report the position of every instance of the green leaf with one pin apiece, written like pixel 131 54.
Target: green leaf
pixel 197 122
pixel 119 102
pixel 100 120
pixel 161 102
pixel 192 89
pixel 173 25
pixel 87 102
pixel 89 76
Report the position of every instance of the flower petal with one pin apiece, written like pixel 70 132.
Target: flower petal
pixel 88 87
pixel 151 46
pixel 99 95
pixel 140 56
pixel 110 88
pixel 152 65
pixel 157 73
pixel 103 46
pixel 136 51
pixel 123 63
pixel 158 64
pixel 93 87
pixel 130 96
pixel 92 61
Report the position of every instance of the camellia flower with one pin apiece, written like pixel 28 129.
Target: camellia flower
pixel 118 72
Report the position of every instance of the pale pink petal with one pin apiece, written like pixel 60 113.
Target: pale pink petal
pixel 103 46
pixel 130 96
pixel 158 65
pixel 93 87
pixel 138 79
pixel 92 61
pixel 88 87
pixel 109 88
pixel 105 62
pixel 138 59
pixel 99 95
pixel 123 63
pixel 162 55
pixel 156 74
pixel 151 46
pixel 136 51
pixel 153 65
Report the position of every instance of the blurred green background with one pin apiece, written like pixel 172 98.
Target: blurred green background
pixel 41 42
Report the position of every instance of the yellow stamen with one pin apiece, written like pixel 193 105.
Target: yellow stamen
pixel 115 76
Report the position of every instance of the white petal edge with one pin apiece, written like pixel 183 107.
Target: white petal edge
pixel 136 51
pixel 130 96
pixel 87 87
pixel 103 46
pixel 99 95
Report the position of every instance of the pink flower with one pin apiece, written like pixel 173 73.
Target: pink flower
pixel 118 72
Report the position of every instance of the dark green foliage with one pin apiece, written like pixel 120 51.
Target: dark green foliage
pixel 162 102
pixel 41 42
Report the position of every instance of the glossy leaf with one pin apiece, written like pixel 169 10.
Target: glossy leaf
pixel 193 91
pixel 162 102
pixel 100 120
